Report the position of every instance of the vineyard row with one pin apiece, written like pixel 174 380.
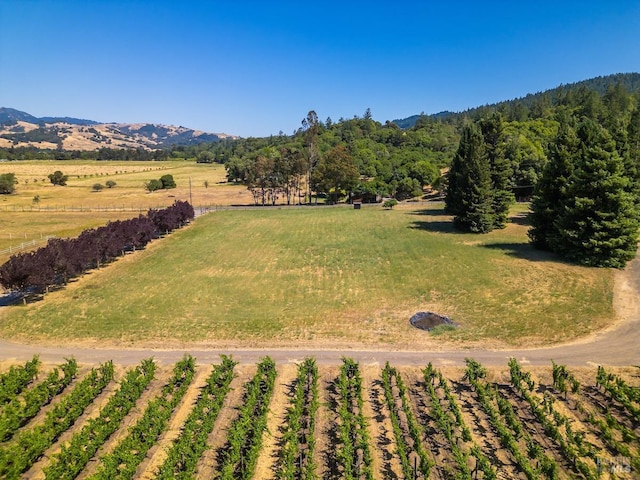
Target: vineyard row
pixel 307 422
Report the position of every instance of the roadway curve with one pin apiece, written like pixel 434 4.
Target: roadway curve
pixel 619 345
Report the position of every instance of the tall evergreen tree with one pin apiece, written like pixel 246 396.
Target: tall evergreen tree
pixel 597 224
pixel 501 170
pixel 311 128
pixel 469 195
pixel 551 188
pixel 632 158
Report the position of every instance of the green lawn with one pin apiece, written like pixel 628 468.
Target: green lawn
pixel 332 277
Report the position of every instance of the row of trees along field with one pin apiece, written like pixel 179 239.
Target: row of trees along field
pixel 63 259
pixel 398 162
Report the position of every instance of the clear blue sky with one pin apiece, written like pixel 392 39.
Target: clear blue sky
pixel 256 68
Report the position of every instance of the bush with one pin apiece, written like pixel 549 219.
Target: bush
pixel 110 184
pixel 168 181
pixel 8 183
pixel 389 204
pixel 153 185
pixel 58 178
pixel 97 187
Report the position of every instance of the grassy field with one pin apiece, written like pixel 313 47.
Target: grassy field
pixel 324 277
pixel 57 213
pixel 129 191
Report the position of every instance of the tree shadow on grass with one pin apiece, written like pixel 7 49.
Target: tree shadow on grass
pixel 520 219
pixel 431 212
pixel 437 227
pixel 524 251
pixel 10 298
pixel 443 225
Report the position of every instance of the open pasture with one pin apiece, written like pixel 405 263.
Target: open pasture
pixel 324 277
pixel 129 191
pixel 66 211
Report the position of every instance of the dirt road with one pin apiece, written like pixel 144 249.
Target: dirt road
pixel 619 345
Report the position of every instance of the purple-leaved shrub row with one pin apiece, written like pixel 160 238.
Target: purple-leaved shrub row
pixel 63 259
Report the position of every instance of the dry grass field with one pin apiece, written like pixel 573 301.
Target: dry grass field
pixel 66 211
pixel 129 191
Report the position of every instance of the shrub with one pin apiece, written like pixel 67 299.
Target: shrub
pixel 58 178
pixel 110 183
pixel 153 185
pixel 389 204
pixel 8 183
pixel 97 187
pixel 168 181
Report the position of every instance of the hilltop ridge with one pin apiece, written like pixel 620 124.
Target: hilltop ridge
pixel 21 129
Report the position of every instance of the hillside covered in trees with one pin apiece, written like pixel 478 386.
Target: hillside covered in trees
pixel 564 148
pixel 396 162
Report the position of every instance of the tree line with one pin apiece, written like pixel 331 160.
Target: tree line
pixel 359 157
pixel 396 162
pixel 64 259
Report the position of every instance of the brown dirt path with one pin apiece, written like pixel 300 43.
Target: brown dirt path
pixel 265 465
pixel 614 346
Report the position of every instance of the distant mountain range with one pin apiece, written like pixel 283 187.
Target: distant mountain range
pixel 631 82
pixel 20 129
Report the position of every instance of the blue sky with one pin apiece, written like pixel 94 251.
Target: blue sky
pixel 256 68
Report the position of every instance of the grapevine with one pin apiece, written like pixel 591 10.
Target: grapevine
pixel 124 460
pixel 352 431
pixel 29 445
pixel 182 457
pixel 84 444
pixel 16 379
pixel 628 396
pixel 244 439
pixel 571 444
pixel 390 376
pixel 447 424
pixel 474 374
pixel 296 461
pixel 20 410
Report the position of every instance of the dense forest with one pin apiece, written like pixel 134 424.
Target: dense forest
pixel 396 162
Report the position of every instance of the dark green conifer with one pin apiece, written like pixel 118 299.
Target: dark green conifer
pixel 551 188
pixel 492 129
pixel 632 157
pixel 469 195
pixel 597 223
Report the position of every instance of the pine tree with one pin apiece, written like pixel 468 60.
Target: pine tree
pixel 501 171
pixel 469 195
pixel 550 189
pixel 632 158
pixel 597 223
